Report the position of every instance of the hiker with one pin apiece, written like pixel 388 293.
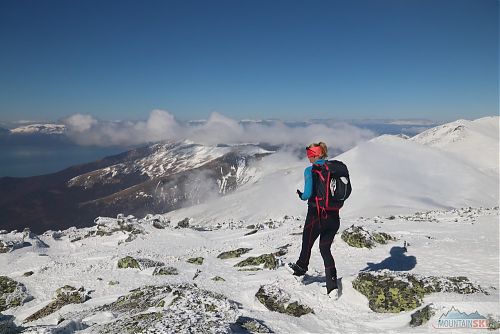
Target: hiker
pixel 322 223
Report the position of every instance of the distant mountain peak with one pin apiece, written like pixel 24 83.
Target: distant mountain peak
pixel 48 128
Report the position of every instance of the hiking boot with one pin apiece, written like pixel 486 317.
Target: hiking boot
pixel 331 280
pixel 297 270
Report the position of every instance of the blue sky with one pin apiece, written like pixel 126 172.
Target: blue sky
pixel 254 59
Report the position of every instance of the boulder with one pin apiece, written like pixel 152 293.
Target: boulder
pixel 251 325
pixel 234 253
pixel 268 261
pixel 175 308
pixel 357 236
pixel 422 316
pixel 183 223
pixel 195 260
pixel 387 293
pixel 128 262
pixel 141 263
pixel 395 292
pixel 277 300
pixel 218 279
pixel 64 296
pixel 165 271
pixel 12 293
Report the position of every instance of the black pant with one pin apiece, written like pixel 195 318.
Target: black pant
pixel 325 228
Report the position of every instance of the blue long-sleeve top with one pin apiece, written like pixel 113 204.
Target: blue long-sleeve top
pixel 308 180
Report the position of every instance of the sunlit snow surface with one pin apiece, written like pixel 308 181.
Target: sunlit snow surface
pixel 427 191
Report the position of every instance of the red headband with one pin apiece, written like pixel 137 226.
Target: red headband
pixel 314 151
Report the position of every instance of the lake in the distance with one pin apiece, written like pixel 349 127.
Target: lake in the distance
pixel 38 156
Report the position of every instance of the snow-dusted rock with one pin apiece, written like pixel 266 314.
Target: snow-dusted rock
pixel 12 293
pixel 277 300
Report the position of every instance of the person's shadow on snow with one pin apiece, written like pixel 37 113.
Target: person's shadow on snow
pixel 398 261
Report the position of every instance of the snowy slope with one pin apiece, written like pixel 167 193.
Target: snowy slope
pixel 452 242
pixel 389 174
pixel 473 141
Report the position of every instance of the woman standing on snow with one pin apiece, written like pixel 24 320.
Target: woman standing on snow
pixel 317 225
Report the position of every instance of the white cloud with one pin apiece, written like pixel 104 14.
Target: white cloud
pixel 79 122
pixel 218 129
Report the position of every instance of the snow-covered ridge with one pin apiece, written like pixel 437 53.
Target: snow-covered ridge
pixel 50 129
pixel 476 142
pixel 166 159
pixel 389 174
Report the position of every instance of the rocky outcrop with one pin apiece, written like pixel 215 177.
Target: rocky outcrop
pixel 165 271
pixel 12 293
pixel 267 261
pixel 234 253
pixel 16 240
pixel 277 300
pixel 357 236
pixel 195 260
pixel 130 262
pixel 251 325
pixel 396 292
pixel 422 316
pixel 64 296
pixel 174 308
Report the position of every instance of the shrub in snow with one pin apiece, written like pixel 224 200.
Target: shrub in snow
pixel 234 253
pixel 12 293
pixel 277 300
